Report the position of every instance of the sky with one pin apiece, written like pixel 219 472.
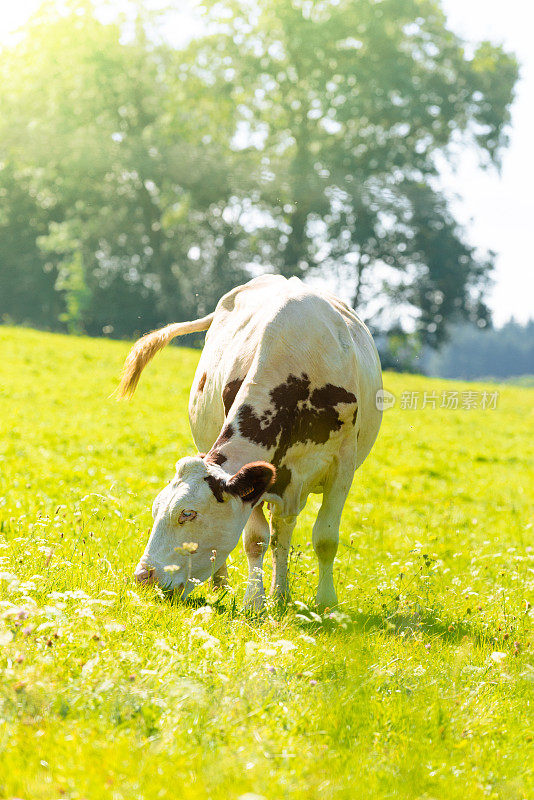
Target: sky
pixel 497 210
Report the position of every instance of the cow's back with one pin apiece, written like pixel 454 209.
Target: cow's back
pixel 271 329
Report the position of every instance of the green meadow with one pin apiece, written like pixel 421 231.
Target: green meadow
pixel 419 685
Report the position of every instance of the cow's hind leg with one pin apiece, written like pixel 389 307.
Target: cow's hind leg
pixel 281 532
pixel 255 541
pixel 220 578
pixel 325 536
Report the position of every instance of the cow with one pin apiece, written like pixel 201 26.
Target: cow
pixel 283 404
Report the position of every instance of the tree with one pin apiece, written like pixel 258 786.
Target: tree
pixel 347 105
pixel 27 277
pixel 473 353
pixel 139 181
pixel 101 137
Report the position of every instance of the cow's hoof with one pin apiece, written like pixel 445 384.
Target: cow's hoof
pixel 282 598
pixel 326 601
pixel 254 603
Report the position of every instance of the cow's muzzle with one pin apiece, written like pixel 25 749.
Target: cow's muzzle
pixel 147 576
pixel 144 574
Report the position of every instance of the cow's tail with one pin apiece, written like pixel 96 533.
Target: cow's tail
pixel 146 348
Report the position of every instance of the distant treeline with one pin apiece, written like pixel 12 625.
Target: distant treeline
pixel 473 353
pixel 140 181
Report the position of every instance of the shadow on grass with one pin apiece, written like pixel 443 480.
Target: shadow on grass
pixel 225 603
pixel 391 622
pixel 429 625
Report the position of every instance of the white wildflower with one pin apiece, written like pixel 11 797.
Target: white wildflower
pixel 199 633
pixel 204 611
pixel 52 611
pixel 5 637
pixel 114 627
pixel 162 644
pixel 187 547
pixel 77 594
pixel 105 685
pixel 285 645
pixel 498 657
pixel 129 655
pixel 209 641
pixel 57 595
pixel 89 666
pixel 251 796
pixel 281 646
pixel 45 626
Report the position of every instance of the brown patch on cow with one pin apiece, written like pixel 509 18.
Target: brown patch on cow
pixel 281 417
pixel 283 479
pixel 330 395
pixel 215 457
pixel 229 393
pixel 202 383
pixel 224 436
pixel 217 486
pixel 295 416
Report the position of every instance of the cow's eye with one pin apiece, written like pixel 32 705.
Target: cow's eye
pixel 186 516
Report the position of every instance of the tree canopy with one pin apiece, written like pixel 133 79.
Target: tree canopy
pixel 140 181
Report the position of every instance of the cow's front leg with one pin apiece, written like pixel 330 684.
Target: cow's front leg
pixel 255 541
pixel 325 535
pixel 281 532
pixel 220 578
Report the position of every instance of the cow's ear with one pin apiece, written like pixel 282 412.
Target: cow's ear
pixel 252 481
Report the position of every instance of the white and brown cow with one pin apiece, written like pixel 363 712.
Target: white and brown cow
pixel 282 405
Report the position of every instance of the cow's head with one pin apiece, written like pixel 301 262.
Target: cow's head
pixel 198 519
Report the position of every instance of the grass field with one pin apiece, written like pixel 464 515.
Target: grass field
pixel 421 685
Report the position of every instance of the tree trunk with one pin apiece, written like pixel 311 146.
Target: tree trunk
pixel 358 289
